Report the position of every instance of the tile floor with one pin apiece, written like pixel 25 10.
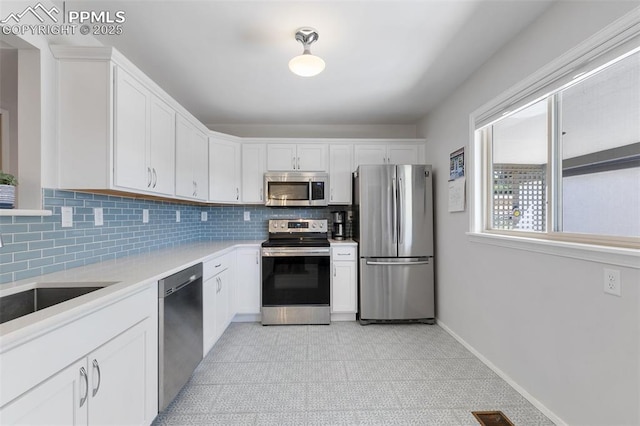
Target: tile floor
pixel 343 374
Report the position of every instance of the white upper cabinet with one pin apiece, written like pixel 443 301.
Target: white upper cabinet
pixel 392 153
pixel 254 164
pixel 224 171
pixel 131 132
pixel 192 161
pixel 162 149
pixel 370 154
pixel 403 154
pixel 297 157
pixel 123 138
pixel 144 138
pixel 340 166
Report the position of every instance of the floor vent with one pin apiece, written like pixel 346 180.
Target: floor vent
pixel 492 418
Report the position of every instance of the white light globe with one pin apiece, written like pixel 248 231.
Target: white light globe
pixel 306 65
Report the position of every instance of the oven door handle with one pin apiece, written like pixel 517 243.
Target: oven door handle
pixel 295 252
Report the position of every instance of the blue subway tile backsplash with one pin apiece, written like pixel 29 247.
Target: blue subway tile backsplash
pixel 39 245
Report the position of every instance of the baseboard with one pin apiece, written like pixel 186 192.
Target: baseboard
pixel 337 317
pixel 550 414
pixel 247 318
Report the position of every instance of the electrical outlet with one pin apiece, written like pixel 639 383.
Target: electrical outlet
pixel 67 216
pixel 145 215
pixel 247 216
pixel 203 216
pixel 612 282
pixel 98 216
pixel 177 215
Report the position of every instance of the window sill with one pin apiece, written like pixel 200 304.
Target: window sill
pixel 626 257
pixel 24 212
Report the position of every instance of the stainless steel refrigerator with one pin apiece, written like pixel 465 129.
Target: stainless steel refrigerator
pixel 393 225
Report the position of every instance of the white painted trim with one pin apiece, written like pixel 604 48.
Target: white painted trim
pixel 618 256
pixel 539 405
pixel 247 318
pixel 341 316
pixel 24 212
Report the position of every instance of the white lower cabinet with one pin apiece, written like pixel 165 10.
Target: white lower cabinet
pixel 54 402
pixel 218 306
pixel 115 383
pixel 247 288
pixel 344 280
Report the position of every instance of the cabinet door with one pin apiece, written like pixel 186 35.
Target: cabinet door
pixel 185 184
pixel 56 401
pixel 162 147
pixel 403 154
pixel 192 161
pixel 340 164
pixel 224 166
pixel 370 154
pixel 118 389
pixel 209 293
pixel 131 133
pixel 200 161
pixel 344 287
pixel 312 158
pixel 281 157
pixel 247 282
pixel 253 168
pixel 222 303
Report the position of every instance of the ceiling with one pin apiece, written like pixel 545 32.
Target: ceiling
pixel 387 62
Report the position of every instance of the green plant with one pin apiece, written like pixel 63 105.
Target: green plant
pixel 7 179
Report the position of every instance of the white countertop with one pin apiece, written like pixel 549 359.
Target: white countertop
pixel 348 241
pixel 128 274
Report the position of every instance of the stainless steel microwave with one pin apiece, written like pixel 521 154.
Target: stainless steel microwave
pixel 296 189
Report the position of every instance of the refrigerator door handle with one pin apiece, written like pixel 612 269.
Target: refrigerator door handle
pixel 421 262
pixel 394 195
pixel 399 211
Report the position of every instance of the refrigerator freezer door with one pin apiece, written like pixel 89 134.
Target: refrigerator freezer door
pixel 376 197
pixel 396 289
pixel 415 211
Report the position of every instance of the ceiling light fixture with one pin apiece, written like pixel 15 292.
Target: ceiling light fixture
pixel 306 65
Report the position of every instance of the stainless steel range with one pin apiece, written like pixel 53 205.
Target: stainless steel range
pixel 296 273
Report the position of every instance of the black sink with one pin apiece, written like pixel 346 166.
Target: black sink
pixel 29 301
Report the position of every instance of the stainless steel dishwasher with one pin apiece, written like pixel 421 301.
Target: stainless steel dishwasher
pixel 179 331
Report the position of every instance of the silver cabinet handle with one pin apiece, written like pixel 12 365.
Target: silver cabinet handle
pixel 394 202
pixel 155 177
pixel 334 270
pixel 237 194
pixel 260 194
pixel 218 265
pixel 298 163
pixel 193 184
pixel 96 367
pixel 331 194
pixel 293 163
pixel 83 374
pixel 148 177
pixel 422 262
pixel 257 259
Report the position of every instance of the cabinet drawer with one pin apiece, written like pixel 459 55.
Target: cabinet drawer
pixel 213 267
pixel 339 253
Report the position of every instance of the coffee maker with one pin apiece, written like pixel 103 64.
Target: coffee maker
pixel 339 225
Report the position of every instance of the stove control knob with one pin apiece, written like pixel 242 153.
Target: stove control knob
pixel 313 226
pixel 321 225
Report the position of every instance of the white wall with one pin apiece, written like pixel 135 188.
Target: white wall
pixel 543 321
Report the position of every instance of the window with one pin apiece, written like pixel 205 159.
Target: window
pixel 567 165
